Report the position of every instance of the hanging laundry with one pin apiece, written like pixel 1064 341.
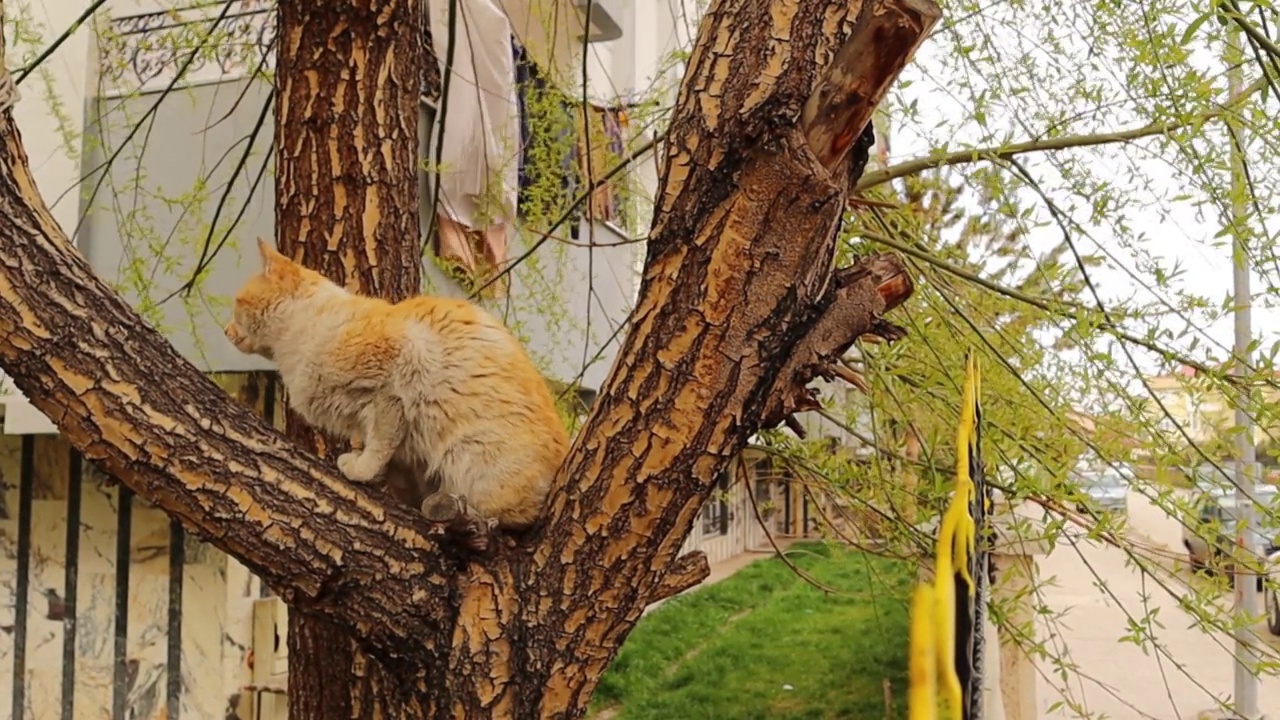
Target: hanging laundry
pixel 479 139
pixel 608 147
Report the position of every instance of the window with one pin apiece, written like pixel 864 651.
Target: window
pixel 715 514
pixel 764 493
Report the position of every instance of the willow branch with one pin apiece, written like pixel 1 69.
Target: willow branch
pixel 1004 152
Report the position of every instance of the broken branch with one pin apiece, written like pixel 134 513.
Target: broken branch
pixel 884 37
pixel 848 375
pixel 794 426
pixel 858 296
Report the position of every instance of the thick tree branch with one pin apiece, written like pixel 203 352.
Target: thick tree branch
pixel 738 277
pixel 1259 37
pixel 858 78
pixel 684 572
pixel 348 76
pixel 112 384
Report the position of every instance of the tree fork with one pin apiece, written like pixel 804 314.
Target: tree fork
pixel 739 274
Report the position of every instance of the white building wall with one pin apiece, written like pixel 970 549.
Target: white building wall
pixel 51 112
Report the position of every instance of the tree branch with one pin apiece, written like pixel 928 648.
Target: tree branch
pixel 1059 308
pixel 858 77
pixel 142 413
pixel 865 290
pixel 1236 16
pixel 684 572
pixel 1004 152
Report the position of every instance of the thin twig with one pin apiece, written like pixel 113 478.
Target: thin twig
pixel 755 507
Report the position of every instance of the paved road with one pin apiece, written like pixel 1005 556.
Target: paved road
pixel 1117 678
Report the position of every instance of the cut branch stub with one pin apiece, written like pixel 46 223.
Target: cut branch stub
pixel 885 36
pixel 684 572
pixel 870 288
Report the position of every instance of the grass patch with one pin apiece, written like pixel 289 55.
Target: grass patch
pixel 730 650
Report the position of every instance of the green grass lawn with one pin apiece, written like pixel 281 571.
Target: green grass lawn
pixel 731 651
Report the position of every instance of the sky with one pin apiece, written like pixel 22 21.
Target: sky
pixel 1180 235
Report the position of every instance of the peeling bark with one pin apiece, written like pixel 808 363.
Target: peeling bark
pixel 740 308
pixel 349 76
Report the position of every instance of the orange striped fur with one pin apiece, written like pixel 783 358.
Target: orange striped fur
pixel 434 387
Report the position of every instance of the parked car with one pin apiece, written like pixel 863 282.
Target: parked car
pixel 1107 490
pixel 1212 527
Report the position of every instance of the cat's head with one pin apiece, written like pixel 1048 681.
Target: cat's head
pixel 262 304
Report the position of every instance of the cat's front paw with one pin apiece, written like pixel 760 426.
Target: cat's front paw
pixel 354 468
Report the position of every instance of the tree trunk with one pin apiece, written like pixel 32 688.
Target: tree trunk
pixel 739 310
pixel 349 75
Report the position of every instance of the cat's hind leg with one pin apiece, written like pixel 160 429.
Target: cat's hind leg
pixel 383 432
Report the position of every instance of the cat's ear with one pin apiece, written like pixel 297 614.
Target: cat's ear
pixel 270 258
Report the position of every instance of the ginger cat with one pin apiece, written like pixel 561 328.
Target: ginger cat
pixel 437 386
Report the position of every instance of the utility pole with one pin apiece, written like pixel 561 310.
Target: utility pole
pixel 1245 687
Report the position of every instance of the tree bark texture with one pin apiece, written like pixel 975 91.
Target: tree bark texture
pixel 349 76
pixel 740 308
